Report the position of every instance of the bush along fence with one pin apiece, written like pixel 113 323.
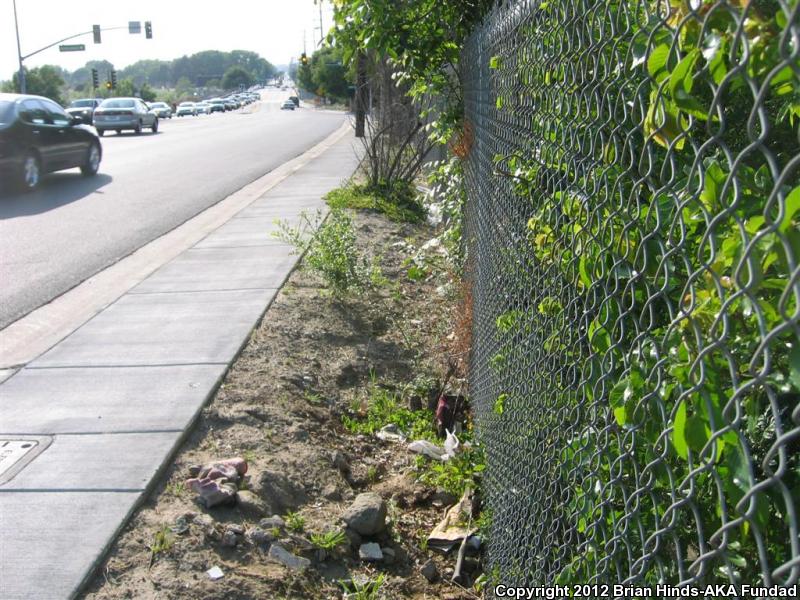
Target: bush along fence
pixel 632 223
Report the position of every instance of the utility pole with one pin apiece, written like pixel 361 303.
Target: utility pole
pixel 22 84
pixel 361 92
pixel 321 31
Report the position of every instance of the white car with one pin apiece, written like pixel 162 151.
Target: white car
pixel 162 109
pixel 288 105
pixel 185 109
pixel 202 108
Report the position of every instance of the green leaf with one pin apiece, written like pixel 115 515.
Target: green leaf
pixel 713 180
pixel 495 62
pixel 663 121
pixel 657 62
pixel 679 431
pixel 598 337
pixel 696 433
pixel 621 416
pixel 792 206
pixel 617 395
pixel 681 81
pixel 794 366
pixel 584 273
pixel 500 404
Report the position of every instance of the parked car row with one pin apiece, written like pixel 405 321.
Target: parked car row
pixel 212 105
pixel 38 136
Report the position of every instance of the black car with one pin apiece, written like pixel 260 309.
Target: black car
pixel 83 109
pixel 37 136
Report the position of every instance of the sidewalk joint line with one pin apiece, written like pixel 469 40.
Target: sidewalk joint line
pixel 76 433
pixel 68 490
pixel 246 289
pixel 195 364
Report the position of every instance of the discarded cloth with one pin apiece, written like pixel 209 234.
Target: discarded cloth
pixel 217 482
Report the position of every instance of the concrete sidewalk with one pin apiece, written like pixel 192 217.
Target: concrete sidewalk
pixel 87 426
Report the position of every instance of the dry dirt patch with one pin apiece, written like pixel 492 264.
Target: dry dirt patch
pixel 280 407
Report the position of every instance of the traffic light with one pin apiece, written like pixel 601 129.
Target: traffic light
pixel 96 33
pixel 113 79
pixel 148 30
pixel 108 85
pixel 304 58
pixel 95 79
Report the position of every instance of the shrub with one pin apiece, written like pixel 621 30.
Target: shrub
pixel 331 252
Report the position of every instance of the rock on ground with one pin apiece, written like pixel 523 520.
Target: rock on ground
pixel 429 571
pixel 370 552
pixel 367 514
pixel 280 492
pixel 286 558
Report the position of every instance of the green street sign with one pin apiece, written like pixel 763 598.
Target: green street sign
pixel 72 47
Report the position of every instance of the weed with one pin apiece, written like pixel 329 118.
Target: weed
pixel 372 474
pixel 383 407
pixel 398 202
pixel 313 397
pixel 177 489
pixel 162 542
pixel 249 456
pixel 456 474
pixel 331 252
pixel 328 540
pixel 363 590
pixel 295 522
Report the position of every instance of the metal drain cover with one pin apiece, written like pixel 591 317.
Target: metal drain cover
pixel 17 452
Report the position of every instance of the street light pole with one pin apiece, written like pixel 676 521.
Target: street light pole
pixel 22 86
pixel 321 32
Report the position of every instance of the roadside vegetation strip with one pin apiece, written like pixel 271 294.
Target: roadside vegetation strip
pixel 307 405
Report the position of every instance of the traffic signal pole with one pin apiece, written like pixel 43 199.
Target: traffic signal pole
pixel 22 83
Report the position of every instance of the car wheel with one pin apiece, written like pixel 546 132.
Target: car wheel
pixel 31 174
pixel 138 129
pixel 119 131
pixel 154 128
pixel 92 163
pixel 101 132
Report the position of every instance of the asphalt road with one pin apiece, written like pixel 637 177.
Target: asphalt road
pixel 73 227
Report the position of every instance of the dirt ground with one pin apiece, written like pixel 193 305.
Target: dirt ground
pixel 310 361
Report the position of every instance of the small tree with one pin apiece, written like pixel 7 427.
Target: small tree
pixel 124 89
pixel 236 77
pixel 42 81
pixel 147 93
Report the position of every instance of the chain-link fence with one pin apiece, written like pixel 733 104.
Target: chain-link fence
pixel 633 179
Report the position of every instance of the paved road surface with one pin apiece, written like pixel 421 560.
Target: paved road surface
pixel 73 227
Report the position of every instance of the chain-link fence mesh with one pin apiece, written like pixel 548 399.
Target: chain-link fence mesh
pixel 632 173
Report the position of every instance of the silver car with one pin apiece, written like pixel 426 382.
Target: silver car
pixel 162 109
pixel 185 109
pixel 119 114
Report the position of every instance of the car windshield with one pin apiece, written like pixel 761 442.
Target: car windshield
pixel 81 103
pixel 6 112
pixel 158 105
pixel 188 104
pixel 118 103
